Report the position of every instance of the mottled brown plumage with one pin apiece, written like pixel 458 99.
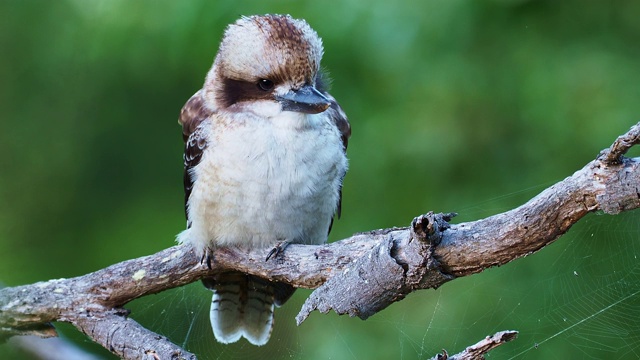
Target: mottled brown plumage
pixel 193 113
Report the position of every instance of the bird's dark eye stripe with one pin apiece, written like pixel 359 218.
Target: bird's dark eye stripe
pixel 265 84
pixel 234 91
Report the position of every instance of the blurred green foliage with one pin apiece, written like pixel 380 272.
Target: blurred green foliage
pixel 455 105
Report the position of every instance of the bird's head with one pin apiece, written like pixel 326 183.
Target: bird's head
pixel 267 64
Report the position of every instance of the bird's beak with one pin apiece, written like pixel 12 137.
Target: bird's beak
pixel 306 100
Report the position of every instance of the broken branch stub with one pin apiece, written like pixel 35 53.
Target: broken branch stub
pixel 405 262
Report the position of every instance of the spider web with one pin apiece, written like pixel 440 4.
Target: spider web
pixel 577 298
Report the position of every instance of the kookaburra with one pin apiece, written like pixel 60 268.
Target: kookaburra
pixel 264 161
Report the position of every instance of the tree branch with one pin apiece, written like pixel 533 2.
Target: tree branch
pixel 359 276
pixel 55 348
pixel 478 350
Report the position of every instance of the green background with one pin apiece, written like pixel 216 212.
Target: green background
pixel 466 106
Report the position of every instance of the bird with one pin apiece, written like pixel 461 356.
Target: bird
pixel 264 162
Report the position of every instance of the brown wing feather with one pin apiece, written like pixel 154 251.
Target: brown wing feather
pixel 339 118
pixel 193 113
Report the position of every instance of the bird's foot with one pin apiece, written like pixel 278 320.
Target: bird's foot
pixel 207 257
pixel 278 249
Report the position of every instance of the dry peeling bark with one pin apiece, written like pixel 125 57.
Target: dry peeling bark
pixel 478 350
pixel 360 275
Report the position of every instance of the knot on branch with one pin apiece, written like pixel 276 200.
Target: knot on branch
pixel 429 227
pixel 426 271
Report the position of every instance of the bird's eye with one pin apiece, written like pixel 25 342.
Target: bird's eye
pixel 265 84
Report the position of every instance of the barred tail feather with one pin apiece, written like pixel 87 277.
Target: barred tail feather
pixel 242 306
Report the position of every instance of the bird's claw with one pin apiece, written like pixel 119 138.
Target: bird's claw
pixel 278 249
pixel 207 257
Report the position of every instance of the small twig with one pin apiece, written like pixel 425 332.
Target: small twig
pixel 613 155
pixel 481 348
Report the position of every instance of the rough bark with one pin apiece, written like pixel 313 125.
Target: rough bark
pixel 360 275
pixel 478 350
